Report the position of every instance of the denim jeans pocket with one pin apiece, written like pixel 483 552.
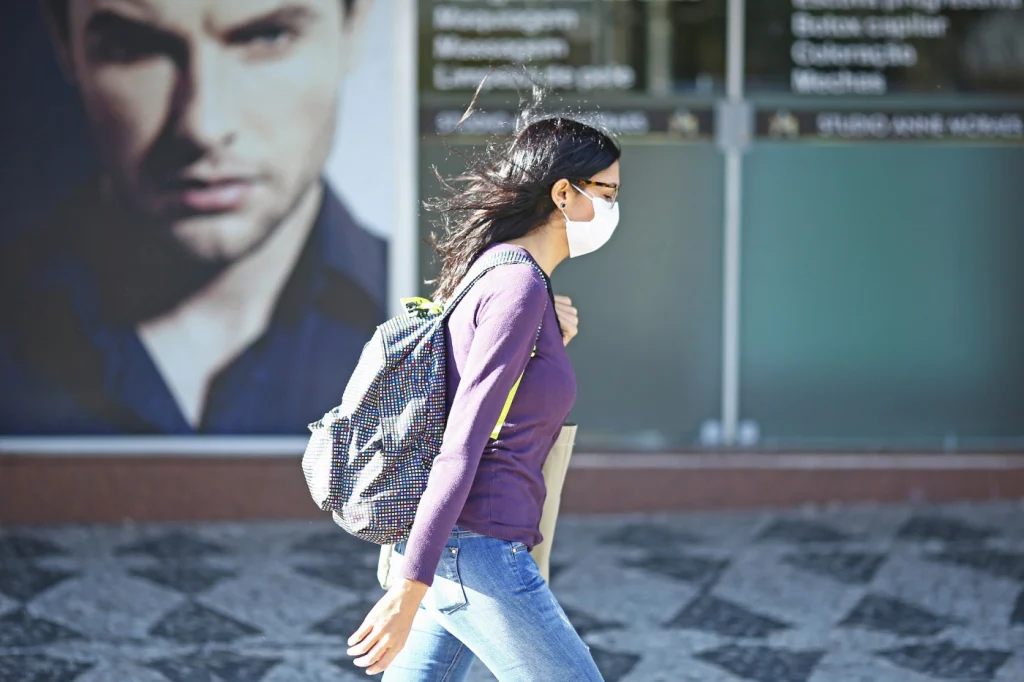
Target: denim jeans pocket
pixel 447 594
pixel 525 567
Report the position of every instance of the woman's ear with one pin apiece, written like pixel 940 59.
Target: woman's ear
pixel 560 193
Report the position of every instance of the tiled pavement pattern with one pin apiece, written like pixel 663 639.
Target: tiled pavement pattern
pixel 849 594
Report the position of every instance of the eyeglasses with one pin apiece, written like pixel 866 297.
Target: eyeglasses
pixel 614 186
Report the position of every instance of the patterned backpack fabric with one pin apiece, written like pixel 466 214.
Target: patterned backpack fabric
pixel 368 459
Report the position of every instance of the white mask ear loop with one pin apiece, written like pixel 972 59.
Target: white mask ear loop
pixel 562 207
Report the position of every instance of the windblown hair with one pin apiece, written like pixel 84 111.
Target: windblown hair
pixel 506 191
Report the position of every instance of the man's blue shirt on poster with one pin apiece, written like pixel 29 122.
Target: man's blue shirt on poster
pixel 70 365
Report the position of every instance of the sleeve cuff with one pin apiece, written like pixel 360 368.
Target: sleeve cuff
pixel 411 571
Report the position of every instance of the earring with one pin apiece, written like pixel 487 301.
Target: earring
pixel 563 204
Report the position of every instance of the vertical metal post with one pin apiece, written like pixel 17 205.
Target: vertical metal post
pixel 733 185
pixel 659 48
pixel 403 261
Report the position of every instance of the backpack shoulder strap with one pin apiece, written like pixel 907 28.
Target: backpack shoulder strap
pixel 515 388
pixel 478 270
pixel 533 353
pixel 484 265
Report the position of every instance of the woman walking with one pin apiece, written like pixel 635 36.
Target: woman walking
pixel 467 586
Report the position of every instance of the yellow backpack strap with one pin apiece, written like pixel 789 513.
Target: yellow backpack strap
pixel 508 401
pixel 515 386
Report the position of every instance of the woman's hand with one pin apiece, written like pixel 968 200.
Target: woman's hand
pixel 386 628
pixel 568 318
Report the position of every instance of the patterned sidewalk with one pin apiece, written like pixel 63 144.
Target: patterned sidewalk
pixel 849 594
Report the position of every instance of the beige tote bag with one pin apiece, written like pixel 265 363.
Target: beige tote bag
pixel 555 468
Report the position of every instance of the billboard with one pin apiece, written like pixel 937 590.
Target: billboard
pixel 206 209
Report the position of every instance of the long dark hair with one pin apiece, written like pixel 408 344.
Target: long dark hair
pixel 506 191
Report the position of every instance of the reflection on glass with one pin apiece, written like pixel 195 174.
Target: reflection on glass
pixel 822 48
pixel 584 46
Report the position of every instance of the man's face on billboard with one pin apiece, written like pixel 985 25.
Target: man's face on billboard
pixel 213 117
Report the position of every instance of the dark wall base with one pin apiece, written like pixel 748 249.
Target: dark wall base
pixel 36 489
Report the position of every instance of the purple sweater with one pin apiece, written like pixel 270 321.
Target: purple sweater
pixel 495 487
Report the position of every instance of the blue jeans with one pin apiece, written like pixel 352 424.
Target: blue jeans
pixel 489 601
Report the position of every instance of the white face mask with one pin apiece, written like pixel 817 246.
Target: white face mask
pixel 589 236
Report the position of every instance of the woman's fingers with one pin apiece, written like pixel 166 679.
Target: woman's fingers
pixel 386 628
pixel 381 665
pixel 375 654
pixel 565 308
pixel 360 634
pixel 568 318
pixel 567 313
pixel 368 641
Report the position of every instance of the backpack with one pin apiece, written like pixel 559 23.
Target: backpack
pixel 369 458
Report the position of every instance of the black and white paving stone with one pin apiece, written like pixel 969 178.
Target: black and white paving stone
pixel 842 594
